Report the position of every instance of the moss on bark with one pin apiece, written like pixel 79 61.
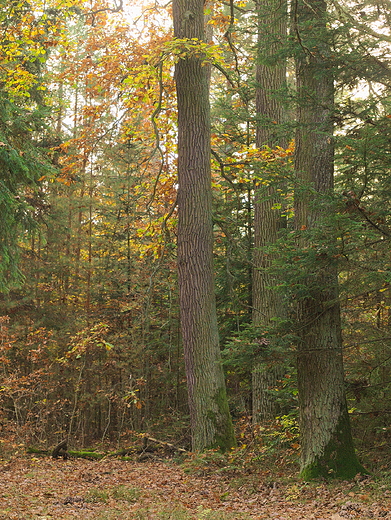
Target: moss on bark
pixel 222 423
pixel 338 459
pixel 93 455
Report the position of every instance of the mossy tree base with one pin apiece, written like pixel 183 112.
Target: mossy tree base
pixel 345 469
pixel 218 425
pixel 338 459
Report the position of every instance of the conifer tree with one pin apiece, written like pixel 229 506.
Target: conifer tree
pixel 23 116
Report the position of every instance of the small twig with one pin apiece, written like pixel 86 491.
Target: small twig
pixel 153 8
pixel 225 74
pixel 115 9
pixel 296 29
pixel 365 28
pixel 351 345
pixel 222 167
pixel 167 217
pixel 154 115
pixel 373 224
pixel 227 36
pixel 375 412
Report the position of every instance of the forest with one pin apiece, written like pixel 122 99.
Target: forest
pixel 195 230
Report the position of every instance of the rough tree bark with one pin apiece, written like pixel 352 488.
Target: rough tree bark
pixel 326 442
pixel 210 418
pixel 268 304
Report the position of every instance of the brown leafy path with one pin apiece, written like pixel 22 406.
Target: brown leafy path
pixel 45 489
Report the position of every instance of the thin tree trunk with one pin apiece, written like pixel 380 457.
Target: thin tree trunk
pixel 268 304
pixel 210 419
pixel 327 447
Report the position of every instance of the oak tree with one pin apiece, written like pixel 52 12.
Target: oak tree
pixel 268 303
pixel 210 417
pixel 326 445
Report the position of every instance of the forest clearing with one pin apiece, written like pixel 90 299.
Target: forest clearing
pixel 42 489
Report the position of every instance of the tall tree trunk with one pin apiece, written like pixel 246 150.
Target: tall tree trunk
pixel 327 446
pixel 268 304
pixel 210 418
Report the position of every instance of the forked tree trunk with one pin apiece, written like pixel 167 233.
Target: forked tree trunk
pixel 268 304
pixel 327 447
pixel 210 418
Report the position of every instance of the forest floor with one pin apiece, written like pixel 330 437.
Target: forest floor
pixel 44 488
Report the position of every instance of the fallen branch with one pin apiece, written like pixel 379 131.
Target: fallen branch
pixel 61 450
pixel 164 443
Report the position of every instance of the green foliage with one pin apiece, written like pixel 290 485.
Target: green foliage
pixel 210 461
pixel 244 348
pixel 182 48
pixel 259 446
pixel 23 164
pixel 285 432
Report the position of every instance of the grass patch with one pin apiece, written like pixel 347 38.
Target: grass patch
pixel 120 493
pixel 97 495
pixel 159 511
pixel 127 494
pixel 209 514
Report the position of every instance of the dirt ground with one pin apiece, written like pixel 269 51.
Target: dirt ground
pixel 43 488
